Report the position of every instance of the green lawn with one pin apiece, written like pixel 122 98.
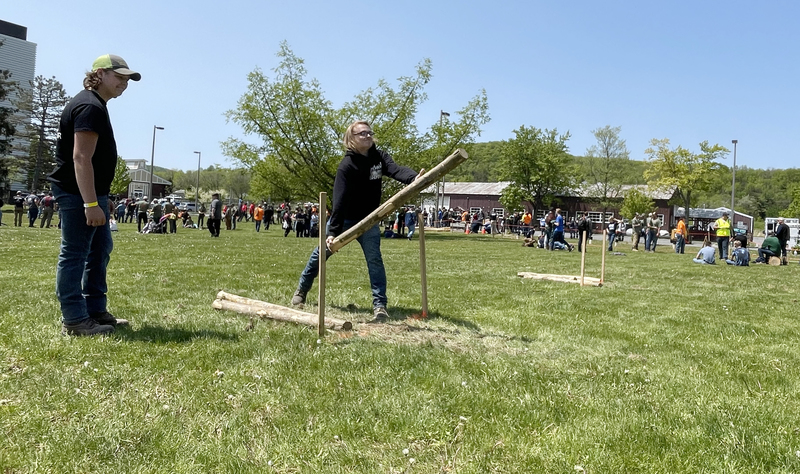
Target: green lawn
pixel 670 367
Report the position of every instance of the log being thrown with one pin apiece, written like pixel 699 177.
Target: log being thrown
pixel 403 196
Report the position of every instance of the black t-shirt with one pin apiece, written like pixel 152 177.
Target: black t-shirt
pixel 86 112
pixel 19 202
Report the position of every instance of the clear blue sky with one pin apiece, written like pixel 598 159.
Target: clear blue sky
pixel 684 70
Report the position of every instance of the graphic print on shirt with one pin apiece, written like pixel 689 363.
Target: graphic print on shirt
pixel 376 172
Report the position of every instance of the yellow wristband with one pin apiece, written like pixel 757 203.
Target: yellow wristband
pixel 87 205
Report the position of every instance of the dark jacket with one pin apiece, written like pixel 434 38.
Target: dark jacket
pixel 357 188
pixel 782 232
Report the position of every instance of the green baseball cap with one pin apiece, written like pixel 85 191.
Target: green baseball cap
pixel 115 63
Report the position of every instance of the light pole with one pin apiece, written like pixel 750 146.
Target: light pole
pixel 197 188
pixel 442 115
pixel 733 181
pixel 152 158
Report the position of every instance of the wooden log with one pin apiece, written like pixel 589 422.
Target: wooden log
pixel 262 309
pixel 323 201
pixel 403 196
pixel 561 278
pixel 423 264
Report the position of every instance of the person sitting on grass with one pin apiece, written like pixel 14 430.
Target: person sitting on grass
pixel 706 255
pixel 740 257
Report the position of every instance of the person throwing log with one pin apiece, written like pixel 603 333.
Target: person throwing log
pixel 357 193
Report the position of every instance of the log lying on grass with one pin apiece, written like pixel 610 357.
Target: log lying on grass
pixel 561 278
pixel 264 310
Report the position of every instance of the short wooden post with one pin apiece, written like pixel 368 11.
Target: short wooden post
pixel 323 256
pixel 583 255
pixel 603 260
pixel 423 265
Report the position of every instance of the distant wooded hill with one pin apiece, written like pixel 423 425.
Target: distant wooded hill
pixel 760 193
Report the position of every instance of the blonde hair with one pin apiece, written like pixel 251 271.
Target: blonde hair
pixel 92 80
pixel 349 139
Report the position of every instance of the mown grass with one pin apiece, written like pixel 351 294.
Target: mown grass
pixel 669 367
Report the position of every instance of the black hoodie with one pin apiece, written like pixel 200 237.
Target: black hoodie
pixel 357 188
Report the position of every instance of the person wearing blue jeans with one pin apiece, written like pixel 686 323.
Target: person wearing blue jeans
pixel 370 242
pixel 86 159
pixel 356 194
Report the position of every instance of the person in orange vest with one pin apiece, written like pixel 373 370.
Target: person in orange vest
pixel 258 215
pixel 680 236
pixel 526 223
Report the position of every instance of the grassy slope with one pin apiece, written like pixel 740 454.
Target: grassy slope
pixel 670 367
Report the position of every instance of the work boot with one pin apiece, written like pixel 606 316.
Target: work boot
pixel 87 327
pixel 107 319
pixel 299 298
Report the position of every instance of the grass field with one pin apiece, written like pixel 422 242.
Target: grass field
pixel 670 367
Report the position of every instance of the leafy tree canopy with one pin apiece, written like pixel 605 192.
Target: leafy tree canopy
pixel 300 131
pixel 538 166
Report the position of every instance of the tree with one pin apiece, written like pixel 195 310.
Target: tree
pixel 122 178
pixel 239 183
pixel 686 171
pixel 636 202
pixel 7 129
pixel 794 208
pixel 40 112
pixel 607 160
pixel 538 166
pixel 301 131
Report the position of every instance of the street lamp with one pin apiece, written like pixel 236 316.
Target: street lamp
pixel 152 157
pixel 442 115
pixel 197 188
pixel 733 182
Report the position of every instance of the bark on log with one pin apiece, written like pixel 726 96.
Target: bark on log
pixel 406 194
pixel 264 310
pixel 561 278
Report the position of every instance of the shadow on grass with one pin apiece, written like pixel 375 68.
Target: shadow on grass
pixel 165 335
pixel 397 313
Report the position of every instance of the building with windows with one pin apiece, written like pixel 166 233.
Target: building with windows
pixel 18 56
pixel 486 196
pixel 140 181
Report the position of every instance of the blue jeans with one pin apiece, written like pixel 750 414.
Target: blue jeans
pixel 371 245
pixel 680 243
pixel 85 252
pixel 722 243
pixel 650 241
pixel 411 228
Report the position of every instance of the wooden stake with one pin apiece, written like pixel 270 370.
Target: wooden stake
pixel 406 194
pixel 422 264
pixel 262 309
pixel 603 264
pixel 583 255
pixel 323 217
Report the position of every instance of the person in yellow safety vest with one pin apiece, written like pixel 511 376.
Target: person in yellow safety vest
pixel 723 226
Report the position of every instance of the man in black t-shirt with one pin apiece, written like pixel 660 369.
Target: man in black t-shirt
pixel 86 157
